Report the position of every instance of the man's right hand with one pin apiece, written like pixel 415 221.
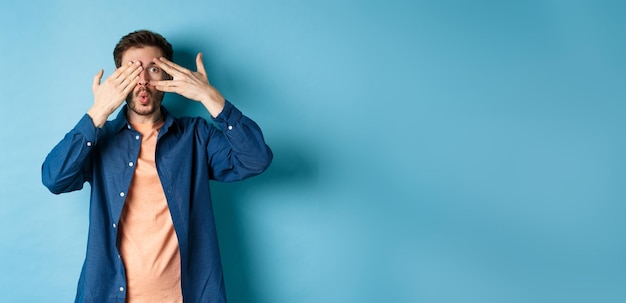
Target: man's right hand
pixel 109 95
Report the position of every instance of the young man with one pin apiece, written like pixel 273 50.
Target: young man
pixel 152 233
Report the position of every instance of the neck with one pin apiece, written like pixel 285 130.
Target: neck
pixel 134 117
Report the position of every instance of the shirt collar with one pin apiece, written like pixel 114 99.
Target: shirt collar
pixel 121 121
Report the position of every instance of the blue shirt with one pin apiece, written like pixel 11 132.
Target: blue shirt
pixel 189 152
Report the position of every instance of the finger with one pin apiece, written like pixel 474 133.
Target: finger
pixel 199 64
pixel 126 70
pixel 169 67
pixel 128 88
pixel 166 85
pixel 166 68
pixel 118 71
pixel 168 62
pixel 159 82
pixel 131 77
pixel 97 78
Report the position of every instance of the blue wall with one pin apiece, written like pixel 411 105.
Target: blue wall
pixel 451 151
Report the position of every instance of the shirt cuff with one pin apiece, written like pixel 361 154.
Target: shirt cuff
pixel 87 129
pixel 229 117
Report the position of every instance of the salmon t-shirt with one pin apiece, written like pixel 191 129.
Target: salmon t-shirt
pixel 148 243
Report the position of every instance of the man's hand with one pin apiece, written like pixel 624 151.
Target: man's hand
pixel 109 95
pixel 191 85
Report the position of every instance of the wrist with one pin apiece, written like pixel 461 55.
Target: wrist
pixel 213 101
pixel 98 117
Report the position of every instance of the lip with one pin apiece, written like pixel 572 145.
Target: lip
pixel 143 97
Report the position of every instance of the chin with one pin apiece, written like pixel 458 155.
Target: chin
pixel 144 110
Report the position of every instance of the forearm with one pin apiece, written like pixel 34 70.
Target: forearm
pixel 213 101
pixel 239 150
pixel 98 116
pixel 66 168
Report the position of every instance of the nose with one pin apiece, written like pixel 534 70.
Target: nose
pixel 143 78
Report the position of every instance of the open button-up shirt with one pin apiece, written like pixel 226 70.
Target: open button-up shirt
pixel 189 152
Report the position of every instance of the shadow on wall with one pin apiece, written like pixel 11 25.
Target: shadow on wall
pixel 292 166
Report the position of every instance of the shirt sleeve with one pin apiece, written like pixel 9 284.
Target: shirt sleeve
pixel 68 166
pixel 237 150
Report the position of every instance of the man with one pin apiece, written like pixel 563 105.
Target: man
pixel 152 233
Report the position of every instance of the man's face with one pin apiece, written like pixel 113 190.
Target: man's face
pixel 145 100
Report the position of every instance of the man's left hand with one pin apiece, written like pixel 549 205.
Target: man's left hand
pixel 191 85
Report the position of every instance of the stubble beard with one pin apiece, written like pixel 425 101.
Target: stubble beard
pixel 154 103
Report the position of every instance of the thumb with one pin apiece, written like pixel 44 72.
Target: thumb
pixel 200 65
pixel 96 79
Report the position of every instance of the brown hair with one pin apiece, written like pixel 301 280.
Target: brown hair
pixel 141 38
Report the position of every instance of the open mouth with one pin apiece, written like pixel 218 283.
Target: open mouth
pixel 144 97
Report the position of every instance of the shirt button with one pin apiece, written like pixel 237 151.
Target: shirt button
pixel 137 137
pixel 114 225
pixel 128 125
pixel 230 127
pixel 121 288
pixel 130 164
pixel 121 194
pixel 88 143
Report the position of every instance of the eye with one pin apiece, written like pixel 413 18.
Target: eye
pixel 154 69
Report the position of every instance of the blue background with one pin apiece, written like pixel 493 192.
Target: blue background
pixel 440 151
